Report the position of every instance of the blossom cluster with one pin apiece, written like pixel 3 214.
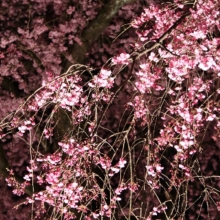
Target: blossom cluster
pixel 98 159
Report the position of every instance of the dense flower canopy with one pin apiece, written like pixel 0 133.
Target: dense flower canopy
pixel 118 124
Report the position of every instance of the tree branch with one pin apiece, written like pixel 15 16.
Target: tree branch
pixel 164 36
pixel 94 29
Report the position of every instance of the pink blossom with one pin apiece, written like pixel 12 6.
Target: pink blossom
pixel 211 117
pixel 167 100
pixel 122 163
pixel 123 58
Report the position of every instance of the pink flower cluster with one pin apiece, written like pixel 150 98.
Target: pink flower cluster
pixel 123 58
pixel 102 80
pixel 19 188
pixel 171 105
pixel 146 79
pixel 27 125
pixel 154 171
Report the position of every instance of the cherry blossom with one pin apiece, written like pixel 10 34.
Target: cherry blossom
pixel 123 58
pixel 145 122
